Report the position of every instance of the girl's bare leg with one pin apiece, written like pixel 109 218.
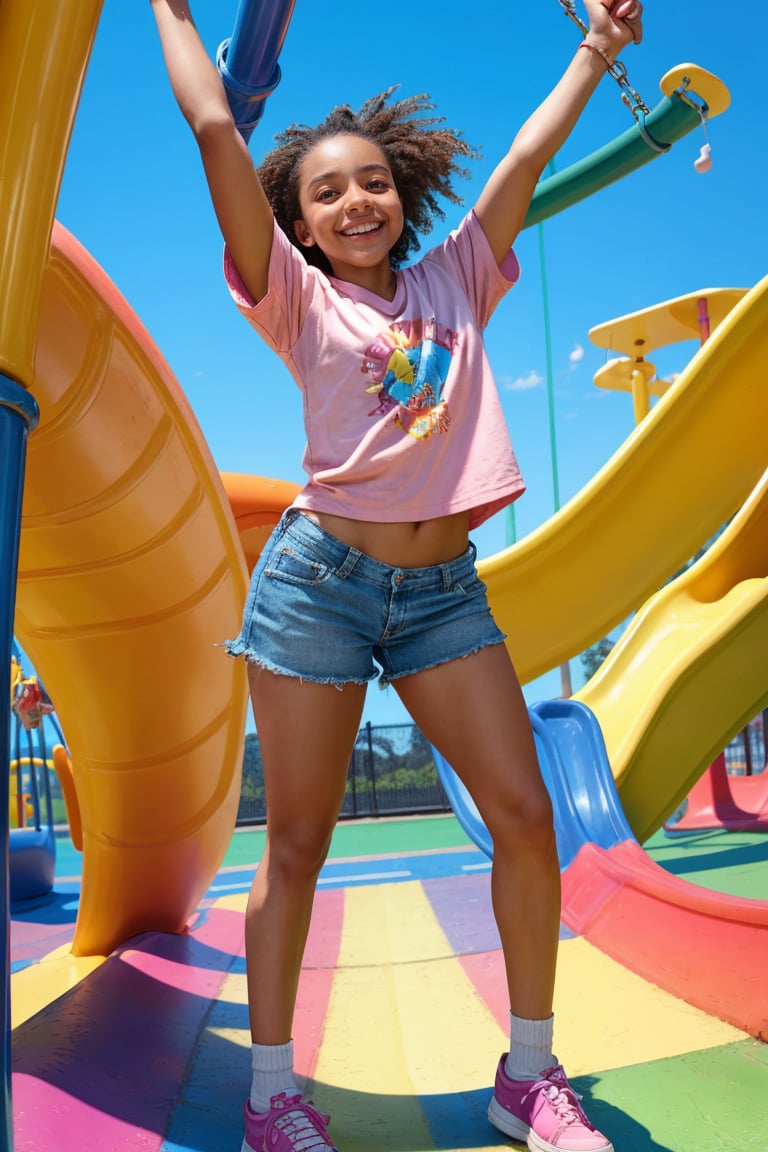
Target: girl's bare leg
pixel 473 711
pixel 306 734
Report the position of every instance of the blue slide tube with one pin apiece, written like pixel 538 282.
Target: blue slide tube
pixel 18 414
pixel 247 61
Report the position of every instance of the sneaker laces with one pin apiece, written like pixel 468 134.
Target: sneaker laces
pixel 296 1121
pixel 565 1102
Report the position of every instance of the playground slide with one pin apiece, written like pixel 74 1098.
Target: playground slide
pixel 690 671
pixel 687 674
pixel 130 573
pixel 722 801
pixel 682 473
pixel 618 898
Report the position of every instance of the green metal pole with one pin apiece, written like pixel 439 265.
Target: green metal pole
pixel 548 361
pixel 672 118
pixel 566 684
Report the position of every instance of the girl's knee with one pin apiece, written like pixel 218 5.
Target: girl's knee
pixel 523 819
pixel 299 850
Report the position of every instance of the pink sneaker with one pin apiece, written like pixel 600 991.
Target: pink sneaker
pixel 546 1112
pixel 291 1125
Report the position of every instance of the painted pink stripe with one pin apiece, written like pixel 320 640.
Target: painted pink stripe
pixel 320 959
pixel 175 973
pixel 45 1117
pixel 487 973
pixel 101 1067
pixel 714 946
pixel 31 942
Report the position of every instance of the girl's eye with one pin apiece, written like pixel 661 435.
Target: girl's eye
pixel 326 194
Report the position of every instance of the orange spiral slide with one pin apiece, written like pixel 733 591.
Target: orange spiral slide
pixel 131 572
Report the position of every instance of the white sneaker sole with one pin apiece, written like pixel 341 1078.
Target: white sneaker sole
pixel 506 1122
pixel 511 1126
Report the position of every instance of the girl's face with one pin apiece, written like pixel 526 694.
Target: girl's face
pixel 351 209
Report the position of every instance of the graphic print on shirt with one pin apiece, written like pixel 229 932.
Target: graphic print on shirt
pixel 408 366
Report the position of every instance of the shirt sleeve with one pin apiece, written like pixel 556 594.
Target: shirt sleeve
pixel 279 316
pixel 467 257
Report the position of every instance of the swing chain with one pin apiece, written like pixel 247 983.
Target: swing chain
pixel 629 96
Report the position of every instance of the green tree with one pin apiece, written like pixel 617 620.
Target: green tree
pixel 593 657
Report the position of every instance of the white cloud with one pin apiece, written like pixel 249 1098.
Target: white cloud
pixel 521 383
pixel 576 355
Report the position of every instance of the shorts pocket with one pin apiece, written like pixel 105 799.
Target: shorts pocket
pixel 288 565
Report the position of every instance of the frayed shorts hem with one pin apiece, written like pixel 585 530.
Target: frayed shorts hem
pixel 385 681
pixel 236 650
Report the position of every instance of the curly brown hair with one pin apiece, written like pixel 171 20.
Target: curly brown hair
pixel 421 155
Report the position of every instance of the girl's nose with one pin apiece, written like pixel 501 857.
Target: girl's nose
pixel 357 197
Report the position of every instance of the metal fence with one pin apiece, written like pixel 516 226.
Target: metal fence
pixel 746 753
pixel 392 773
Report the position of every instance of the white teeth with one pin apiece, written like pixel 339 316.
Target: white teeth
pixel 360 230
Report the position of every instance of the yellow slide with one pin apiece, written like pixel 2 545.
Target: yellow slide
pixel 689 672
pixel 692 668
pixel 684 471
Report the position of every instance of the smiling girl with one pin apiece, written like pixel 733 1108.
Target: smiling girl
pixel 371 572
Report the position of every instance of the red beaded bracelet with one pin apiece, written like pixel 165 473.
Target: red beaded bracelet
pixel 598 52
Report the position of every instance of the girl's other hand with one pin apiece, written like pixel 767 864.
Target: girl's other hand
pixel 615 23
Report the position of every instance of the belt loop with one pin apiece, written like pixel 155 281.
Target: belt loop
pixel 445 572
pixel 285 522
pixel 350 561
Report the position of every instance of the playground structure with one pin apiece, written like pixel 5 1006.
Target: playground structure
pixel 151 502
pixel 32 841
pixel 721 800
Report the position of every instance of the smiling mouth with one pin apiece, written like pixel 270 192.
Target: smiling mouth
pixel 361 229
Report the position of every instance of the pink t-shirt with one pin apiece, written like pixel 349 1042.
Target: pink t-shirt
pixel 402 415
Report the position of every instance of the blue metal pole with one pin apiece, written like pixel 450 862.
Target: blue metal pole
pixel 247 61
pixel 18 415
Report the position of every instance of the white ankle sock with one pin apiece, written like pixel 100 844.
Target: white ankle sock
pixel 530 1048
pixel 272 1073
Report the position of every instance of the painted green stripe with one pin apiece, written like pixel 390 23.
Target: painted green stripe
pixel 364 838
pixel 735 863
pixel 712 1101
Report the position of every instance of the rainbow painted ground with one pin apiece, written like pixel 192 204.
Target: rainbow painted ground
pixel 401 1015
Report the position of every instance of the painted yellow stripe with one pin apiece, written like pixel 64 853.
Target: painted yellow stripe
pixel 606 1017
pixel 37 986
pixel 403 1021
pixel 361 1073
pixel 234 902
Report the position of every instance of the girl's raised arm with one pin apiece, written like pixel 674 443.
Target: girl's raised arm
pixel 242 209
pixel 504 202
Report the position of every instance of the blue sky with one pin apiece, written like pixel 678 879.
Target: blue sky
pixel 133 193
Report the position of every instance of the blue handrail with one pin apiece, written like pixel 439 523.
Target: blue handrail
pixel 247 60
pixel 18 414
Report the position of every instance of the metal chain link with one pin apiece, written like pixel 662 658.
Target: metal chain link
pixel 629 96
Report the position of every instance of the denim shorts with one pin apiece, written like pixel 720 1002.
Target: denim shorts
pixel 324 612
